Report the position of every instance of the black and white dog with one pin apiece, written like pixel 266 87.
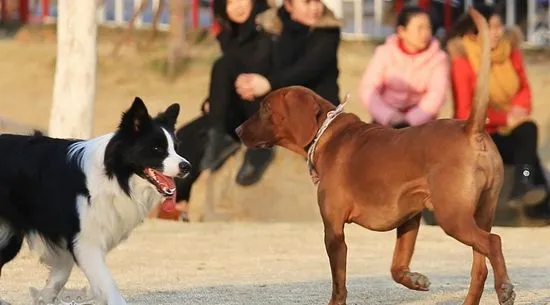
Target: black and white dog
pixel 74 200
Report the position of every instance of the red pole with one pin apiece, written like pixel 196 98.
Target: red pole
pixel 45 8
pixel 399 5
pixel 23 11
pixel 447 15
pixel 195 13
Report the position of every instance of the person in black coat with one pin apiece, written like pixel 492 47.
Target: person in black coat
pixel 246 48
pixel 306 53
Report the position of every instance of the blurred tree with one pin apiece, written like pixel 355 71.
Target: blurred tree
pixel 127 37
pixel 75 72
pixel 177 47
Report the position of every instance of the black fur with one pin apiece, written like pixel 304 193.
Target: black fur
pixel 41 177
pixel 38 187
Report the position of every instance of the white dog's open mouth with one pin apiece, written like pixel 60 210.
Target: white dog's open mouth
pixel 165 185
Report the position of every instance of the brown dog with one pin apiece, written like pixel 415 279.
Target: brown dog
pixel 382 178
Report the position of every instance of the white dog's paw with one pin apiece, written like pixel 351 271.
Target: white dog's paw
pixel 119 300
pixel 76 297
pixel 2 302
pixel 42 297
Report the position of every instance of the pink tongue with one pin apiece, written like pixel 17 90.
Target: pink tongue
pixel 169 205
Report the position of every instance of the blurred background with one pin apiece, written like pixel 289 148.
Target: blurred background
pixel 134 63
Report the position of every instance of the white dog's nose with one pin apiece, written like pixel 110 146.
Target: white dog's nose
pixel 185 168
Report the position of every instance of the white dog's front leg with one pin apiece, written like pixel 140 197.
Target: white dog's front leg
pixel 91 259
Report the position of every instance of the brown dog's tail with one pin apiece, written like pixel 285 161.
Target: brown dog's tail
pixel 476 122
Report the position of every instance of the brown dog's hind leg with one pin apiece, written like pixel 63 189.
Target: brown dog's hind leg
pixel 484 218
pixel 461 225
pixel 402 254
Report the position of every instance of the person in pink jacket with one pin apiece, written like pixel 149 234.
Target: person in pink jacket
pixel 406 80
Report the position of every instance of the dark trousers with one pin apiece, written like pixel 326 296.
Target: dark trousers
pixel 227 109
pixel 193 137
pixel 520 147
pixel 226 112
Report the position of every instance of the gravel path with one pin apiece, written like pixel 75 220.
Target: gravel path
pixel 278 263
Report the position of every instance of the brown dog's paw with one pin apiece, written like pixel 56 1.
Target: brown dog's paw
pixel 506 295
pixel 416 281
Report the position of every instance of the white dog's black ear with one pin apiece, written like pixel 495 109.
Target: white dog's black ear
pixel 169 117
pixel 136 118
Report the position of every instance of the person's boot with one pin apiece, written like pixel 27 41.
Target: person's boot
pixel 540 211
pixel 255 162
pixel 524 191
pixel 219 147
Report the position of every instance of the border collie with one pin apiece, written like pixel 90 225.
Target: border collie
pixel 75 200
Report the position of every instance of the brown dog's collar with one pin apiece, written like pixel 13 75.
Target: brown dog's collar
pixel 331 115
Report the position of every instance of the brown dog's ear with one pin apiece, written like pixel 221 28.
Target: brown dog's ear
pixel 303 114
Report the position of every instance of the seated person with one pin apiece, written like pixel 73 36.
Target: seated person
pixel 246 48
pixel 510 103
pixel 306 52
pixel 406 80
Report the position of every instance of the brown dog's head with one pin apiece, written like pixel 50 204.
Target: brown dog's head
pixel 288 117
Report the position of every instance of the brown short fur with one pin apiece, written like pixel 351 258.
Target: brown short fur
pixel 381 178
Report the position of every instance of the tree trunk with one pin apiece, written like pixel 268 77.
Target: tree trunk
pixel 177 46
pixel 129 32
pixel 75 71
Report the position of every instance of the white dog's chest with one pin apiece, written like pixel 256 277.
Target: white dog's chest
pixel 110 218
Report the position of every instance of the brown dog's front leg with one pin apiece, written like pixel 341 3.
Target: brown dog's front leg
pixel 404 248
pixel 337 253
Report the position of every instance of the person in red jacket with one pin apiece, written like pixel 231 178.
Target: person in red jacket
pixel 510 103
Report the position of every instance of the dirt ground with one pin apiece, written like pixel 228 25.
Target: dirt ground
pixel 253 262
pixel 277 263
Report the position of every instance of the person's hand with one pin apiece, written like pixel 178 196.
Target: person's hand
pixel 250 86
pixel 261 85
pixel 397 118
pixel 244 87
pixel 516 116
pixel 518 111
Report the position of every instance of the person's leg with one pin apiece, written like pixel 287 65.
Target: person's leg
pixel 519 148
pixel 220 144
pixel 542 209
pixel 255 161
pixel 183 194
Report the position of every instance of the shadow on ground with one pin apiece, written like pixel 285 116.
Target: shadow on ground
pixel 446 289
